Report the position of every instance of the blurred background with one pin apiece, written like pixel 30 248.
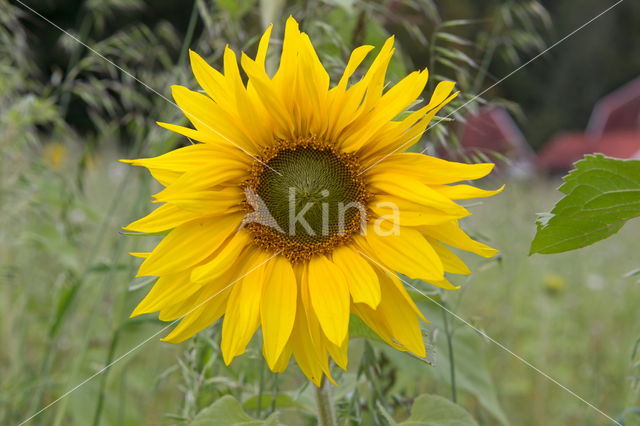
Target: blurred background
pixel 69 110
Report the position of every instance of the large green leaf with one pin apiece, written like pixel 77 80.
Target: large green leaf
pixel 434 410
pixel 227 411
pixel 602 193
pixel 282 400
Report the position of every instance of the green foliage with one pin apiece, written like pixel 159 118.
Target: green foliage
pixel 601 194
pixel 434 410
pixel 227 411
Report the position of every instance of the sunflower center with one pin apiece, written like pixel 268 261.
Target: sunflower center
pixel 305 198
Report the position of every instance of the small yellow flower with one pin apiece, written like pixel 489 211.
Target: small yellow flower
pixel 294 212
pixel 554 283
pixel 54 154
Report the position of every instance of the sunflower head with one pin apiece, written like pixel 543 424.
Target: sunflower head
pixel 298 208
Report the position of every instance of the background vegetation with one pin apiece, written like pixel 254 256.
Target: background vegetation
pixel 67 114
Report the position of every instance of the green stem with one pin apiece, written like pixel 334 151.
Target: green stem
pixel 432 57
pixel 452 365
pixel 103 380
pixel 85 29
pixel 189 34
pixel 326 411
pixel 487 58
pixel 274 392
pixel 260 388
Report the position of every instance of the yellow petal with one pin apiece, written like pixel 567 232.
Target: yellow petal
pixel 451 262
pixel 178 308
pixel 441 93
pixel 269 98
pixel 375 76
pixel 210 79
pixel 278 308
pixel 194 134
pixel 408 188
pixel 318 340
pixel 263 45
pixel 361 278
pixel 340 354
pixel 242 316
pixel 305 356
pixel 329 296
pixel 189 244
pixel 401 318
pixel 445 284
pixel 408 253
pixel 223 260
pixel 207 202
pixel 356 58
pixel 376 322
pixel 396 139
pixel 203 178
pixel 249 117
pixel 165 177
pixel 212 119
pixel 432 170
pixel 142 255
pixel 164 217
pixel 207 312
pixel 191 157
pixel 408 213
pixel 451 234
pixel 168 289
pixel 391 277
pixel 361 97
pixel 464 192
pixel 311 359
pixel 283 361
pixel 290 50
pixel 391 104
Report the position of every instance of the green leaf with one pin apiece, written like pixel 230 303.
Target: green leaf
pixel 459 22
pixel 282 400
pixel 632 273
pixel 602 193
pixel 236 8
pixel 453 39
pixel 227 411
pixel 434 410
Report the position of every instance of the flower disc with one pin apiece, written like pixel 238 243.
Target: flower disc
pixel 307 199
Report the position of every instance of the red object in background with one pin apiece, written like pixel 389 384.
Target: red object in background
pixel 492 130
pixel 561 152
pixel 618 111
pixel 613 130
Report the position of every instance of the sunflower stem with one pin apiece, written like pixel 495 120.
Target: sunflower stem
pixel 326 411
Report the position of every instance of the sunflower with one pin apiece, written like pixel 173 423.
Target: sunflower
pixel 297 208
